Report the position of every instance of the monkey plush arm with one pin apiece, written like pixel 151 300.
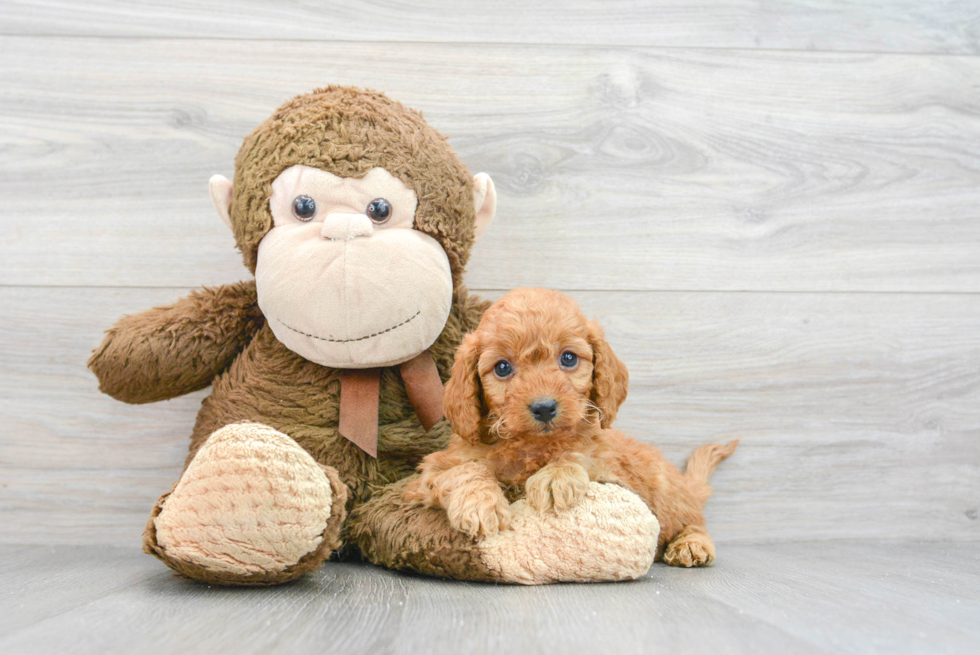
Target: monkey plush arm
pixel 169 351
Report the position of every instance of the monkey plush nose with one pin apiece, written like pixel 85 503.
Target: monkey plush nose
pixel 544 409
pixel 343 227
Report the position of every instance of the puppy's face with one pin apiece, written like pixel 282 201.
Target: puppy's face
pixel 536 373
pixel 535 368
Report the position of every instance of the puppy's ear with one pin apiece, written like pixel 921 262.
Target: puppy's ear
pixel 463 397
pixel 610 379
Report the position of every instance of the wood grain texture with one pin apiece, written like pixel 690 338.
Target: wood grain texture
pixel 617 168
pixel 859 414
pixel 799 598
pixel 778 226
pixel 878 25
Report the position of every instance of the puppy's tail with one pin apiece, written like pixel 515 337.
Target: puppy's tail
pixel 703 463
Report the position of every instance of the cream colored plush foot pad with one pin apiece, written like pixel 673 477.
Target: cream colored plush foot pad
pixel 251 501
pixel 610 535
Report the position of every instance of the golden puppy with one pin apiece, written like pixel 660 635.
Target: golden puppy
pixel 532 397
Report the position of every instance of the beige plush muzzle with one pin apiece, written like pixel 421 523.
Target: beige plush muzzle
pixel 342 289
pixel 367 301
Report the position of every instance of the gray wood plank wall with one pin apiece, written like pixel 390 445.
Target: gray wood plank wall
pixel 774 209
pixel 841 25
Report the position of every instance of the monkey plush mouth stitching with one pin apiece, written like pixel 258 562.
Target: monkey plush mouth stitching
pixel 313 336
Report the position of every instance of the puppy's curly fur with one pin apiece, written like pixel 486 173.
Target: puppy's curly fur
pixel 501 450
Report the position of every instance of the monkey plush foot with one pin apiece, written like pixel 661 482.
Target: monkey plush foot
pixel 252 508
pixel 609 535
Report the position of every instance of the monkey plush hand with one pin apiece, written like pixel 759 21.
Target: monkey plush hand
pixel 357 220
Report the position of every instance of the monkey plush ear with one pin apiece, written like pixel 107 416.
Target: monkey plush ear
pixel 485 202
pixel 221 190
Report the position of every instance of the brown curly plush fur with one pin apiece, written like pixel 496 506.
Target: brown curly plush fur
pixel 169 351
pixel 219 336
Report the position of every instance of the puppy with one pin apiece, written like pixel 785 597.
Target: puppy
pixel 532 398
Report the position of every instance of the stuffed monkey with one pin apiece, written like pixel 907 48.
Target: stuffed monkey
pixel 356 219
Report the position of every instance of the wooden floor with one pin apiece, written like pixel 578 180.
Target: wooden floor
pixel 772 207
pixel 783 598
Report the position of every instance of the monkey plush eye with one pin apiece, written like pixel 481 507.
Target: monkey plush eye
pixel 304 208
pixel 502 369
pixel 379 210
pixel 568 359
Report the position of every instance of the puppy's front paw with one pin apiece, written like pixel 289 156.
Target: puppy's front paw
pixel 478 513
pixel 557 485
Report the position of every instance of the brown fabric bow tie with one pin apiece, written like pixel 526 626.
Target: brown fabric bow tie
pixel 359 393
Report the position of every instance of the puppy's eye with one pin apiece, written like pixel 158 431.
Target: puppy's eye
pixel 502 369
pixel 568 359
pixel 379 210
pixel 304 208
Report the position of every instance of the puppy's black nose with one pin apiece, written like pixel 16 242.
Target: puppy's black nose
pixel 544 409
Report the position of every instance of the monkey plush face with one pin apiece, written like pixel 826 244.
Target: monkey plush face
pixel 357 220
pixel 349 243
